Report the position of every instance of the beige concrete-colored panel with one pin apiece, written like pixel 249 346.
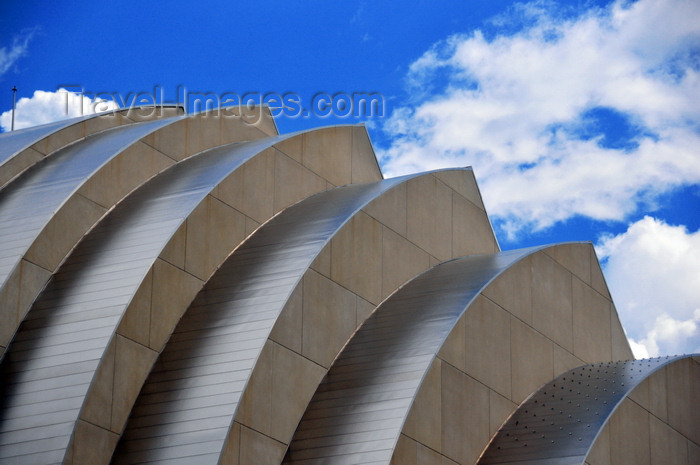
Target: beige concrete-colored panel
pixel 132 363
pixel 92 444
pixel 500 409
pixel 136 322
pixel 464 183
pixel 32 279
pixel 63 231
pixel 434 261
pixel 328 153
pixel 429 215
pixel 364 162
pixel 9 308
pixel 356 252
pixel 240 123
pixel 600 452
pixel 465 416
pixel 402 261
pixel 683 406
pixel 424 422
pixel 471 230
pixel 213 230
pixel 488 345
pixel 17 164
pixel 255 407
pixel 293 182
pixel 294 381
pixel 123 173
pixel 203 132
pixel 658 405
pixel 292 147
pixel 427 456
pixel 174 251
pixel 629 435
pixel 97 408
pixel 597 278
pixel 405 452
pixel 170 140
pixel 454 350
pixel 512 290
pixel 173 290
pixel 288 327
pixel 250 188
pixel 229 456
pixel 531 358
pixel 329 318
pixel 364 310
pixel 668 447
pixel 564 360
pixel 322 262
pixel 621 349
pixel 21 288
pixel 592 337
pixel 693 453
pixel 259 449
pixel 390 209
pixel 640 394
pixel 551 300
pixel 63 137
pixel 575 258
pixel 234 129
pixel 102 122
pixel 250 226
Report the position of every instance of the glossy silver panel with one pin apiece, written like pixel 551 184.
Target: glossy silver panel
pixel 358 411
pixel 27 204
pixel 189 401
pixel 67 331
pixel 559 423
pixel 11 143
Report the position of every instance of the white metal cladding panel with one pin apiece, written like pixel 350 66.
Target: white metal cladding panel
pixel 190 398
pixel 68 329
pixel 29 203
pixel 358 411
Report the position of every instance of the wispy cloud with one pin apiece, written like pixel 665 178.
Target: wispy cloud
pixel 653 271
pixel 531 107
pixel 45 107
pixel 10 54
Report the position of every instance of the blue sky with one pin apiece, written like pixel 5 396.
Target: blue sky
pixel 581 118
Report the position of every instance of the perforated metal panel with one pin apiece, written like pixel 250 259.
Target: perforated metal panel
pixel 357 413
pixel 559 423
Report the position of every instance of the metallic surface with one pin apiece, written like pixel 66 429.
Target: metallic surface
pixel 189 401
pixel 50 364
pixel 559 423
pixel 28 204
pixel 11 143
pixel 358 411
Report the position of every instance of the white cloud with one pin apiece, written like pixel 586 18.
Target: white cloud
pixel 20 43
pixel 515 106
pixel 44 107
pixel 653 271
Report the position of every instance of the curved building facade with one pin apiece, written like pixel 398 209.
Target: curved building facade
pixel 198 289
